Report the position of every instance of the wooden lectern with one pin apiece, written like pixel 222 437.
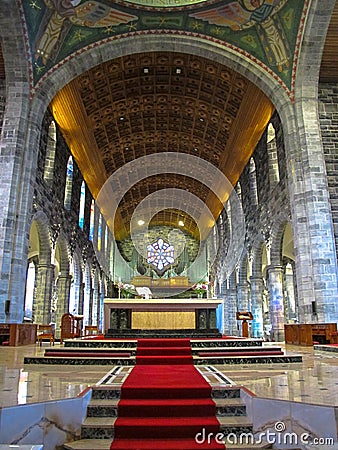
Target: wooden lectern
pixel 244 316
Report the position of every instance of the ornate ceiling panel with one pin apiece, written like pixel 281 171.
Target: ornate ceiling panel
pixel 267 32
pixel 153 103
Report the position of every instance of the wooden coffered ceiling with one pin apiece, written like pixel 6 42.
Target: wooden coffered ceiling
pixel 157 102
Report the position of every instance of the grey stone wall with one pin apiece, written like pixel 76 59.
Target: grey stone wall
pixel 50 197
pixel 2 102
pixel 273 198
pixel 328 117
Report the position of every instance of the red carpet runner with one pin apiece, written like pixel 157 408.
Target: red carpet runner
pixel 165 402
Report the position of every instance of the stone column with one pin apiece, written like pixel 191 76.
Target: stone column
pixel 257 289
pixel 243 296
pixel 64 283
pixel 232 308
pixel 242 300
pixel 291 312
pixel 17 167
pixel 313 232
pixel 275 280
pixel 81 298
pixel 225 316
pixel 44 292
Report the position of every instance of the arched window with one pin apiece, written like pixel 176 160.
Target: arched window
pixel 272 155
pixel 30 290
pixel 238 190
pixel 50 153
pixel 69 184
pixel 99 233
pixel 82 204
pixel 253 182
pixel 106 241
pixel 92 221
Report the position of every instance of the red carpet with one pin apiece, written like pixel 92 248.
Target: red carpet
pixel 165 405
pixel 163 351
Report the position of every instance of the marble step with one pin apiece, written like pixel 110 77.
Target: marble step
pixel 164 333
pixel 103 427
pixel 98 428
pixel 109 392
pixel 108 407
pixel 104 444
pixel 196 344
pixel 235 424
pixel 228 360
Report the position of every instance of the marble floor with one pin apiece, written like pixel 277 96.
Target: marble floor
pixel 315 380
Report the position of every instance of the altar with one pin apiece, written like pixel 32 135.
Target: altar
pixel 155 314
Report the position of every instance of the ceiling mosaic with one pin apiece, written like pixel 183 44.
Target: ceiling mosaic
pixel 266 31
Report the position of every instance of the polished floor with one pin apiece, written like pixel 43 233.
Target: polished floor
pixel 314 381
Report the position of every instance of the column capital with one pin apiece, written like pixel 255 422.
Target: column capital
pixel 275 268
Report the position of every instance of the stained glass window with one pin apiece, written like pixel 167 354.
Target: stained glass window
pixel 82 205
pixel 92 223
pixel 69 184
pixel 99 234
pixel 160 254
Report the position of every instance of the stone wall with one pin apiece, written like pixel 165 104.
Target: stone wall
pixel 273 196
pixel 2 102
pixel 328 117
pixel 49 196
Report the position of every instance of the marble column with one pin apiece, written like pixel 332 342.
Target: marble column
pixel 44 292
pixel 275 280
pixel 257 289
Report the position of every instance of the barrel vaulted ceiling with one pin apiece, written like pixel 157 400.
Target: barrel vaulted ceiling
pixel 149 103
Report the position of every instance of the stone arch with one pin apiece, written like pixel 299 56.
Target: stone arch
pixel 243 268
pixel 277 233
pixel 42 224
pixel 62 244
pixel 41 305
pixel 257 250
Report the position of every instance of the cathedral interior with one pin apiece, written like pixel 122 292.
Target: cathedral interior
pixel 168 151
